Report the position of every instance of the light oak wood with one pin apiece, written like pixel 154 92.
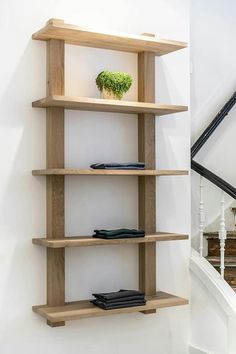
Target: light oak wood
pixel 55 184
pixel 72 34
pixel 104 105
pixel 82 241
pixel 56 33
pixel 147 184
pixel 91 172
pixel 83 309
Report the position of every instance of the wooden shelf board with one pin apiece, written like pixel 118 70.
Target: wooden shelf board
pixel 72 34
pixel 104 105
pixel 84 309
pixel 80 241
pixel 97 172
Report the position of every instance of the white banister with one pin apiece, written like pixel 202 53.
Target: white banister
pixel 201 217
pixel 222 234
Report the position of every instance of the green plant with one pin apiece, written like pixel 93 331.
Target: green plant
pixel 116 82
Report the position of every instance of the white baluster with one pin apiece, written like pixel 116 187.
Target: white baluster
pixel 201 217
pixel 222 235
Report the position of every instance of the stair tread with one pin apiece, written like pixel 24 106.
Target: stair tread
pixel 216 260
pixel 227 258
pixel 215 234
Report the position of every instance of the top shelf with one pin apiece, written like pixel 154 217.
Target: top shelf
pixel 71 34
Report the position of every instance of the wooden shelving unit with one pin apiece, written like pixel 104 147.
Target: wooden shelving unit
pixel 57 33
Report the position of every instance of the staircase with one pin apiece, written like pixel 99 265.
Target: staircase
pixel 230 254
pixel 221 244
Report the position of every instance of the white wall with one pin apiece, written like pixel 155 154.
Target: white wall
pixel 213 81
pixel 90 137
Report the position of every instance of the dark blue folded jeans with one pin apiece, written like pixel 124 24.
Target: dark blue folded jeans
pixel 119 166
pixel 118 233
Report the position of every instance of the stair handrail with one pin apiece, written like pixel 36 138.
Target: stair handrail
pixel 213 125
pixel 212 177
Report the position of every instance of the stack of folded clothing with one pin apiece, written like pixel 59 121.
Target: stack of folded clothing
pixel 119 299
pixel 119 166
pixel 118 233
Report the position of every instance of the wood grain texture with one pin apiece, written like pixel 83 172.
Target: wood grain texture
pixel 55 137
pixel 230 255
pixel 229 276
pixel 55 207
pixel 84 309
pixel 55 184
pixel 72 34
pixel 215 235
pixel 81 241
pixel 105 105
pixel 229 271
pixel 214 247
pixel 91 172
pixel 230 261
pixel 147 184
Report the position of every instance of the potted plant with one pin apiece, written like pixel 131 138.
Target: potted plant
pixel 113 84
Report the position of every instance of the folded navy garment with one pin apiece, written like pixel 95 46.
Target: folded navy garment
pixel 118 233
pixel 118 295
pixel 123 299
pixel 118 305
pixel 117 236
pixel 119 166
pixel 119 299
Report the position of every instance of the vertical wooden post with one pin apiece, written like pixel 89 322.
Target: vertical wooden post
pixel 147 184
pixel 55 184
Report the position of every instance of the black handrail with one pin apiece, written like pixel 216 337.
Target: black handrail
pixel 219 182
pixel 213 125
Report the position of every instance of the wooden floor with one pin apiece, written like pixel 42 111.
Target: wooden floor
pixel 84 309
pixel 80 241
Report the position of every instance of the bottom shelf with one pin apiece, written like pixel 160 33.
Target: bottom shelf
pixel 84 309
